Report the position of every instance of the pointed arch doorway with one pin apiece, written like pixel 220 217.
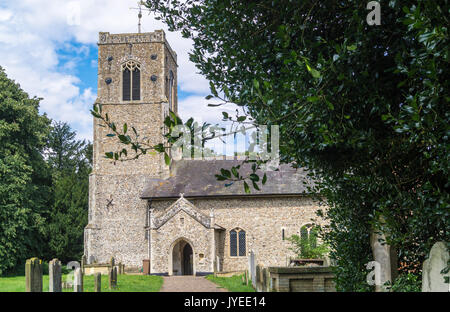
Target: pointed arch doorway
pixel 182 258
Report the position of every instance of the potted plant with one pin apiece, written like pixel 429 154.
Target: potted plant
pixel 309 250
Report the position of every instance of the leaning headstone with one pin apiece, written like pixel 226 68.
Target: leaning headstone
pixel 97 282
pixel 33 275
pixel 54 276
pixel 78 280
pixel 432 278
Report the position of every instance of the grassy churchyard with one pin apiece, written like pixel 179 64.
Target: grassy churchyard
pixel 125 283
pixel 233 283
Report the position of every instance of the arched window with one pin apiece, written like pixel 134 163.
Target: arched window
pixel 131 81
pixel 171 79
pixel 238 243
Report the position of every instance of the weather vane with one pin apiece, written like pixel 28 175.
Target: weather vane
pixel 140 4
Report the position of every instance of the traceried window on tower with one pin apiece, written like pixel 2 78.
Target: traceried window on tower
pixel 131 81
pixel 238 243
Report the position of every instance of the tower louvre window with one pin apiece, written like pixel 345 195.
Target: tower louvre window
pixel 131 81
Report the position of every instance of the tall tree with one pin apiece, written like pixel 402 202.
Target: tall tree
pixel 24 175
pixel 364 107
pixel 70 160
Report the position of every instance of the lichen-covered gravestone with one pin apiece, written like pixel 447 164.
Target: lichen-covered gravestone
pixel 78 280
pixel 97 282
pixel 432 278
pixel 33 275
pixel 112 277
pixel 54 276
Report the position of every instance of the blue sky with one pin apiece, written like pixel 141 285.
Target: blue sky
pixel 50 48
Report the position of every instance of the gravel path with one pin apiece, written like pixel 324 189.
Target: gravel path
pixel 189 284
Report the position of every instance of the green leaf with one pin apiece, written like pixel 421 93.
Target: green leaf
pixel 166 159
pixel 125 128
pixel 256 84
pixel 220 178
pixel 109 155
pixel 315 73
pixel 246 188
pixel 254 177
pixel 225 173
pixel 351 47
pixel 264 179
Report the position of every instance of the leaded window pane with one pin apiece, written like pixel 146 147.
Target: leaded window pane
pixel 136 84
pixel 242 249
pixel 233 243
pixel 126 90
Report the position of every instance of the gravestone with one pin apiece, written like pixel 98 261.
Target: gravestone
pixel 252 268
pixel 54 276
pixel 266 280
pixel 78 280
pixel 258 278
pixel 112 262
pixel 115 277
pixel 33 275
pixel 112 278
pixel 432 278
pixel 383 255
pixel 97 282
pixel 83 263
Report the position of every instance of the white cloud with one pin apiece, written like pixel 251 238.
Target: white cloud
pixel 33 31
pixel 197 107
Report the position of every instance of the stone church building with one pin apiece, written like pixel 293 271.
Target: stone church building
pixel 180 218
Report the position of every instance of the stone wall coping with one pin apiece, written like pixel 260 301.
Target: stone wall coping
pixel 297 270
pixel 97 265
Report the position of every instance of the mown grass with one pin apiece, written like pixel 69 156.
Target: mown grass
pixel 233 283
pixel 125 283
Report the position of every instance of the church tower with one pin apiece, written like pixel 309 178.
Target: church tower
pixel 137 85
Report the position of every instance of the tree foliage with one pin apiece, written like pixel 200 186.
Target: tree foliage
pixel 70 160
pixel 25 179
pixel 365 108
pixel 43 183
